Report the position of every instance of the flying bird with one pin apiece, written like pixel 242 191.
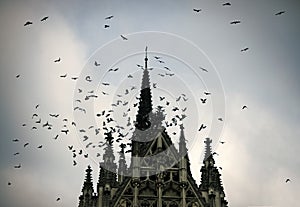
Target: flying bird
pixel 207 93
pixel 280 13
pixel 74 163
pixel 15 140
pixel 44 18
pixel 40 147
pixel 18 76
pixel 245 49
pixel 220 119
pixel 203 100
pixel 88 78
pixel 109 17
pixel 201 127
pixel 58 199
pixel 65 131
pixel 244 107
pixel 63 76
pixel 57 60
pixel 235 22
pixel 17 166
pixel 28 23
pixel 196 10
pixel 226 4
pixel 203 69
pixel 106 26
pixel 222 142
pixel 123 37
pixel 26 144
pixel 96 63
pixel 287 180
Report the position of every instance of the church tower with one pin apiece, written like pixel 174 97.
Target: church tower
pixel 159 175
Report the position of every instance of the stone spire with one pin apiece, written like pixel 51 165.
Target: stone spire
pixel 86 198
pixel 211 184
pixel 145 103
pixel 182 142
pixel 122 170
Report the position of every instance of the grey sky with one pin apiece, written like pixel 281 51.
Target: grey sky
pixel 261 143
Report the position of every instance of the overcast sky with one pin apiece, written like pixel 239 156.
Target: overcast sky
pixel 260 150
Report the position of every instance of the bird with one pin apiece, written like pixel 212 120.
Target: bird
pixel 129 76
pixel 37 106
pixel 40 147
pixel 226 4
pixel 44 18
pixel 58 199
pixel 201 127
pixel 88 78
pixel 203 69
pixel 109 17
pixel 245 49
pixel 74 78
pixel 160 61
pixel 56 137
pixel 154 85
pixel 57 60
pixel 70 147
pixel 235 22
pixel 165 67
pixel 63 76
pixel 104 93
pixel 220 168
pixel 9 183
pixel 54 115
pixel 197 10
pixel 74 163
pixel 15 140
pixel 244 107
pixel 17 166
pixel 26 144
pixel 203 100
pixel 106 26
pixel 34 115
pixel 123 37
pixel 207 93
pixel 222 142
pixel 18 76
pixel 96 63
pixel 214 153
pixel 65 131
pixel 287 180
pixel 28 23
pixel 220 119
pixel 280 13
pixel 17 153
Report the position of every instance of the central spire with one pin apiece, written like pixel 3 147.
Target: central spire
pixel 145 103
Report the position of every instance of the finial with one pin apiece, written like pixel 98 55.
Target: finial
pixel 146 58
pixel 208 152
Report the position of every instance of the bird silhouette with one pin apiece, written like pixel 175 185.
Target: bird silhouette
pixel 201 127
pixel 203 100
pixel 9 183
pixel 74 163
pixel 197 10
pixel 220 119
pixel 26 144
pixel 106 26
pixel 287 180
pixel 280 13
pixel 15 140
pixel 203 69
pixel 44 18
pixel 65 131
pixel 56 137
pixel 63 76
pixel 226 4
pixel 123 37
pixel 17 153
pixel 57 60
pixel 235 22
pixel 57 199
pixel 28 23
pixel 70 147
pixel 109 17
pixel 54 115
pixel 129 76
pixel 17 166
pixel 18 76
pixel 88 78
pixel 96 63
pixel 207 93
pixel 244 107
pixel 40 147
pixel 245 49
pixel 222 142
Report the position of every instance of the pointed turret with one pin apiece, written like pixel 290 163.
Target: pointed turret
pixel 145 103
pixel 211 184
pixel 86 198
pixel 108 169
pixel 122 170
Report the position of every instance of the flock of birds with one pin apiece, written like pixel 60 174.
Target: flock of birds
pixel 106 116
